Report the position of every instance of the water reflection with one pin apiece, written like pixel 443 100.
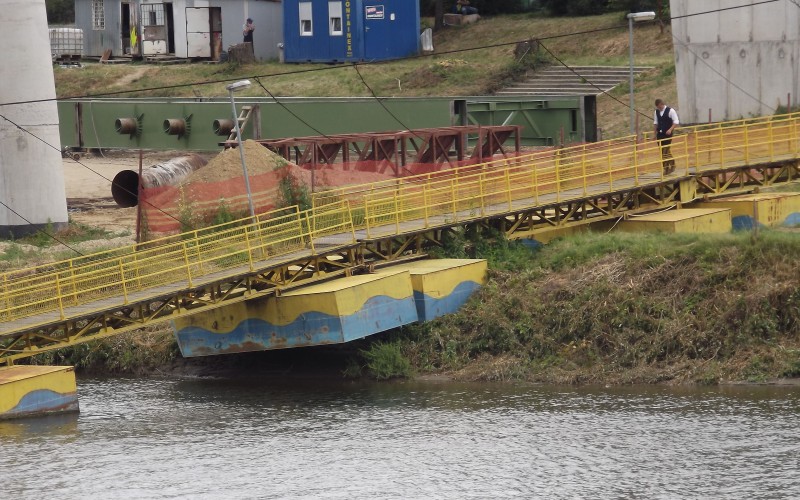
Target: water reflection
pixel 293 438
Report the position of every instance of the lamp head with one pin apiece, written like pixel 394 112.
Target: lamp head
pixel 240 85
pixel 642 16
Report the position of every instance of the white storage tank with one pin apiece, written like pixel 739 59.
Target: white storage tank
pixel 31 176
pixel 66 44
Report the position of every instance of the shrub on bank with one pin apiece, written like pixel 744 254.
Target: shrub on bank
pixel 624 308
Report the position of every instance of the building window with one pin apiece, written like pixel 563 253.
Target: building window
pixel 153 14
pixel 335 18
pixel 98 15
pixel 305 19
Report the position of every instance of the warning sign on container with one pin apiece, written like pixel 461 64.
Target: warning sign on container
pixel 374 11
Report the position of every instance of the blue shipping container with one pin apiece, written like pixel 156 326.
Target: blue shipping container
pixel 350 30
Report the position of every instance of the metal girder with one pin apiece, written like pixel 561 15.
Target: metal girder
pixel 439 147
pixel 298 272
pixel 745 178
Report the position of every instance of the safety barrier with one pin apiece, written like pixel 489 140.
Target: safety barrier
pixel 391 207
pixel 184 260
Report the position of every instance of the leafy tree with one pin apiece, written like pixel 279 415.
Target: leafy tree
pixel 60 11
pixel 574 7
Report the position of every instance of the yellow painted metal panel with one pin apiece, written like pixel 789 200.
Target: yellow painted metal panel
pixel 688 220
pixel 439 277
pixel 341 297
pixel 773 208
pixel 18 381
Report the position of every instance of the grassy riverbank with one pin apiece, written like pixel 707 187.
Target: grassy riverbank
pixel 627 308
pixel 596 308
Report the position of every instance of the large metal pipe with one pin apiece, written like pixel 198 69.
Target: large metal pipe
pixel 175 126
pixel 126 125
pixel 222 126
pixel 125 186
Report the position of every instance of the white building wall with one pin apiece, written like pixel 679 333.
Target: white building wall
pixel 735 63
pixel 31 174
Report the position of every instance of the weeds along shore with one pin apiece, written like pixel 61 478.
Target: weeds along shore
pixel 588 309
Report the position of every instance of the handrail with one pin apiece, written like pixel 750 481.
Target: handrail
pixel 196 255
pixel 389 208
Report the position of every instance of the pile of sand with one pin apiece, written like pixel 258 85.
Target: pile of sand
pixel 228 164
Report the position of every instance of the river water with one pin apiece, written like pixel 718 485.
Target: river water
pixel 287 438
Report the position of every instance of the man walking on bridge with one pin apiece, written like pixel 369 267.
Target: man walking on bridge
pixel 664 123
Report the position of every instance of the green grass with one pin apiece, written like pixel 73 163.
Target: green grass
pixel 623 308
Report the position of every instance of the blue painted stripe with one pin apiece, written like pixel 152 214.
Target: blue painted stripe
pixel 44 401
pixel 429 308
pixel 743 223
pixel 378 314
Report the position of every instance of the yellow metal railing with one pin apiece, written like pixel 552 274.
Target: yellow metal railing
pixel 193 257
pixel 387 208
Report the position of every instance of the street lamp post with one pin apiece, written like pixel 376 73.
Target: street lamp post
pixel 235 87
pixel 635 16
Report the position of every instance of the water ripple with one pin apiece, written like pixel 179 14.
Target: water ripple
pixel 289 439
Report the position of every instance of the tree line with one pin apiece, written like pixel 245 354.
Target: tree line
pixel 60 11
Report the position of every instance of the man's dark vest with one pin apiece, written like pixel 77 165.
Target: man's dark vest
pixel 664 122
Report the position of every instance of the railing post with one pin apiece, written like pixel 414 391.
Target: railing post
pixel 746 145
pixel 186 263
pixel 310 231
pixel 346 204
pixel 366 215
pixel 535 184
pixel 198 256
pixel 453 197
pixel 122 280
pixel 74 284
pixel 686 153
pixel 583 174
pixel 426 200
pixel 249 248
pixel 771 143
pixel 481 181
pixel 5 296
pixel 396 214
pixel 260 233
pixel 610 174
pixel 558 183
pixel 58 295
pixel 508 188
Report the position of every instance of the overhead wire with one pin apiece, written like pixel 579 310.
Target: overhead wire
pixel 23 129
pixel 333 68
pixel 367 86
pixel 38 230
pixel 298 72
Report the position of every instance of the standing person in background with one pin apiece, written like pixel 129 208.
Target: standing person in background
pixel 664 122
pixel 248 29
